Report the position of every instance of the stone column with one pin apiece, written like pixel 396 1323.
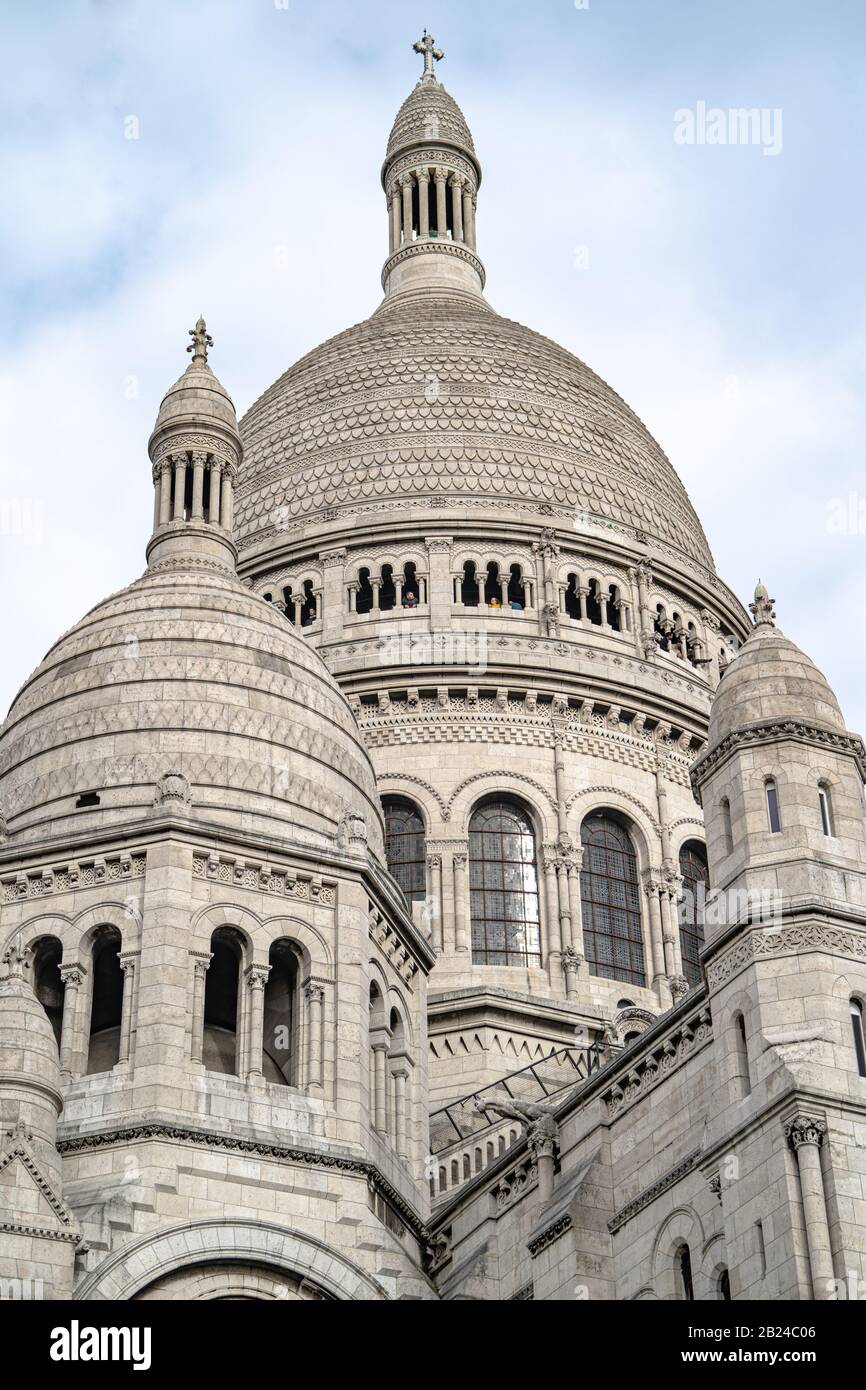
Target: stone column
pixel 213 511
pixel 542 1150
pixel 554 943
pixel 574 867
pixel 440 178
pixel 461 903
pixel 200 967
pixel 353 587
pixel 179 486
pixel 439 591
pixel 72 977
pixel 401 1128
pixel 165 472
pixel 127 965
pixel 583 595
pixel 227 502
pixel 423 177
pixel 198 463
pixel 806 1134
pixel 157 490
pixel 333 602
pixel 297 604
pixel 256 977
pixel 394 237
pixel 315 997
pixel 456 206
pixel 564 903
pixel 380 1081
pixel 660 980
pixel 503 589
pixel 406 186
pixel 434 893
pixel 602 597
pixel 375 585
pixel 468 217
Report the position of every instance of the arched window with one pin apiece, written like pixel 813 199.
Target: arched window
pixel 825 806
pixel 309 610
pixel 859 1038
pixel 724 1286
pixel 503 886
pixel 221 1002
pixel 684 1269
pixel 741 1056
pixel 696 881
pixel 614 610
pixel 727 827
pixel 572 598
pixel 593 607
pixel 280 1029
pixel 772 795
pixel 106 1007
pixel 411 590
pixel 47 984
pixel 493 586
pixel 405 847
pixel 387 589
pixel 610 899
pixel 469 588
pixel 364 596
pixel 515 587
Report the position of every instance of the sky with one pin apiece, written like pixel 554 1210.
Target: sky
pixel 165 159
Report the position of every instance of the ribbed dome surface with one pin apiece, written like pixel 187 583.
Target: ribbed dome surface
pixel 436 397
pixel 770 678
pixel 185 671
pixel 429 113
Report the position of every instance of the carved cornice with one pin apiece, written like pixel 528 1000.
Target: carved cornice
pixel 85 873
pixel 654 1191
pixel 549 1235
pixel 357 1167
pixel 765 943
pixel 774 731
pixel 438 247
pixel 263 877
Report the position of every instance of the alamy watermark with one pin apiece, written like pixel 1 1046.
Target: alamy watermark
pixel 407 646
pixel 732 125
pixel 22 516
pixel 846 516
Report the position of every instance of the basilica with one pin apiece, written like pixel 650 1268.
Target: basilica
pixel 428 880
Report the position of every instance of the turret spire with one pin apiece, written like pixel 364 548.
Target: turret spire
pixel 762 607
pixel 201 341
pixel 427 46
pixel 431 177
pixel 196 452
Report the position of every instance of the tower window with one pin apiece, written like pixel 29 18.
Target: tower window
pixel 727 827
pixel 503 886
pixel 826 808
pixel 610 898
pixel 741 1047
pixel 772 806
pixel 724 1286
pixel 859 1039
pixel 696 879
pixel 405 847
pixel 87 799
pixel 684 1268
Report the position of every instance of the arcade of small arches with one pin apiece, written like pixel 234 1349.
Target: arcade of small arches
pixel 583 902
pixel 431 200
pixel 507 582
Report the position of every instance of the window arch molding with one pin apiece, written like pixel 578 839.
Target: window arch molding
pixel 506 908
pixel 535 799
pixel 681 1227
pixel 632 815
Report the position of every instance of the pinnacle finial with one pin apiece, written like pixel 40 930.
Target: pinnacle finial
pixel 427 46
pixel 762 607
pixel 201 341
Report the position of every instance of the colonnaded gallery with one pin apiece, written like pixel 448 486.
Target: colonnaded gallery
pixel 428 881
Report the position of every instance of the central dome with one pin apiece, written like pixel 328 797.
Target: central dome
pixel 438 401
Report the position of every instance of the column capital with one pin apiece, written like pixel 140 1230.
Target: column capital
pixel 805 1129
pixel 257 976
pixel 572 961
pixel 313 993
pixel 652 881
pixel 71 976
pixel 201 962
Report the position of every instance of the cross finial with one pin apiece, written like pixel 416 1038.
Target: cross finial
pixel 427 46
pixel 201 341
pixel 763 606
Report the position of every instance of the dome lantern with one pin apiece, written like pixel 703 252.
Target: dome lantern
pixel 195 450
pixel 431 177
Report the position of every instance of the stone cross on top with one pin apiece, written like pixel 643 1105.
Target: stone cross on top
pixel 201 341
pixel 427 46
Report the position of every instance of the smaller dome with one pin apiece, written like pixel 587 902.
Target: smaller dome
pixel 770 678
pixel 429 113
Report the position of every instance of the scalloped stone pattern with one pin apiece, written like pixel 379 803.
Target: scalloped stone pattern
pixel 185 671
pixel 429 113
pixel 438 396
